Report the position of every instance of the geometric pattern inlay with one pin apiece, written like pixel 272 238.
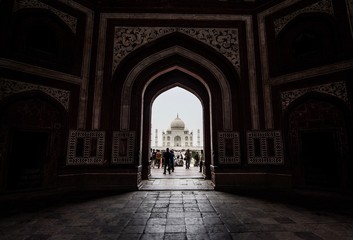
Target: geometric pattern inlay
pixel 123 147
pixel 9 87
pixel 70 21
pixel 324 6
pixel 224 40
pixel 265 147
pixel 229 147
pixel 91 150
pixel 336 89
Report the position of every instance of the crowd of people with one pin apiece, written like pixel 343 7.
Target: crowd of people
pixel 167 160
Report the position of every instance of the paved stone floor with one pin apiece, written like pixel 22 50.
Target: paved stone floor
pixel 181 205
pixel 174 215
pixel 180 179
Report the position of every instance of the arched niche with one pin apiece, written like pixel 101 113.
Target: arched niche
pixel 309 40
pixel 39 37
pixel 33 136
pixel 318 138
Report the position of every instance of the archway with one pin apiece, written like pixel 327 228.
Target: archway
pixel 174 60
pixel 176 123
pixel 176 77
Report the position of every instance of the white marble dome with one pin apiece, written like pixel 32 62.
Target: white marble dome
pixel 177 123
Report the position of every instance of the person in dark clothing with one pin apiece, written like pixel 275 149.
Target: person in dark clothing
pixel 187 159
pixel 171 163
pixel 166 159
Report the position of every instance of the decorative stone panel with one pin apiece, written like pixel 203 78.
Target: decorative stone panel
pixel 336 89
pixel 85 148
pixel 324 6
pixel 224 40
pixel 70 21
pixel 9 87
pixel 265 147
pixel 123 147
pixel 229 147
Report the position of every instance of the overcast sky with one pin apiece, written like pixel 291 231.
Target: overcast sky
pixel 172 102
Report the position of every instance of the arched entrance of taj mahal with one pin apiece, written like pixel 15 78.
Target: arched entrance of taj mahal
pixel 177 60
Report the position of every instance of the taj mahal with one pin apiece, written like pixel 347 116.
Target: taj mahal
pixel 177 137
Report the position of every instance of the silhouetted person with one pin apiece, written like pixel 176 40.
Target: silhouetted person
pixel 171 163
pixel 187 159
pixel 166 159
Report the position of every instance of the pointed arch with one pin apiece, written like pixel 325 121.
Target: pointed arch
pixel 162 83
pixel 176 50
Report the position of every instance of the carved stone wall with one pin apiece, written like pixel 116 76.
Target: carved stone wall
pixel 85 148
pixel 224 40
pixel 265 147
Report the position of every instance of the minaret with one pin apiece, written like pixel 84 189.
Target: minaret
pixel 156 138
pixel 198 137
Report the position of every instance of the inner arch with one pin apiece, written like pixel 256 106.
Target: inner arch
pixel 162 83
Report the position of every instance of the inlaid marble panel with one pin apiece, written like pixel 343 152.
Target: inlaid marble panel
pixel 265 147
pixel 85 148
pixel 229 147
pixel 123 147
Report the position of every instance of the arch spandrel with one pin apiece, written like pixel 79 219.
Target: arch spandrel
pixel 223 40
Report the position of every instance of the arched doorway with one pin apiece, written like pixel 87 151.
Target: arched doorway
pixel 176 122
pixel 175 78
